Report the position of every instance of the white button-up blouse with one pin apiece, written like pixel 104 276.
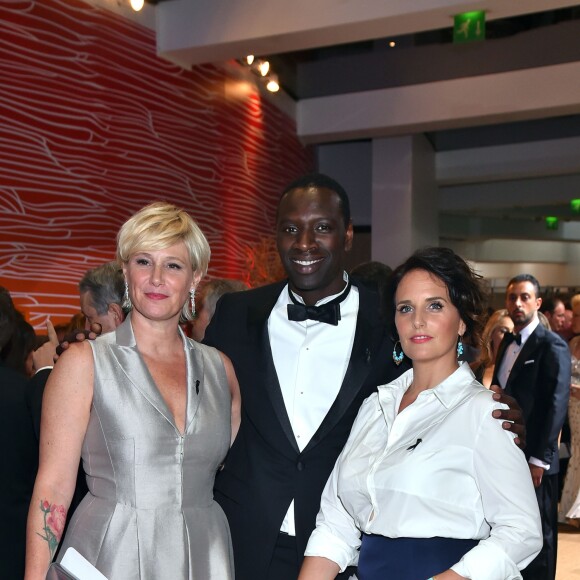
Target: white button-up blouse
pixel 442 467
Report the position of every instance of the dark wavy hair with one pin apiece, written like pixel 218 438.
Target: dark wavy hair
pixel 465 287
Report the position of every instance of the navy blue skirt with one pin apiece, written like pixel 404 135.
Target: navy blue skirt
pixel 408 558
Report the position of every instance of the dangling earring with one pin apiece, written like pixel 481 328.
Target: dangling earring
pixel 127 305
pixel 459 347
pixel 398 358
pixel 192 299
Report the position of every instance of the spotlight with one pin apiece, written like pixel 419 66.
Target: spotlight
pixel 263 67
pixel 137 5
pixel 273 86
pixel 392 44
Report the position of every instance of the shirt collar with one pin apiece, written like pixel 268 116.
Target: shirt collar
pixel 526 331
pixel 326 298
pixel 447 392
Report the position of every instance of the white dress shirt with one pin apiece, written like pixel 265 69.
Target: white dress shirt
pixel 311 359
pixel 465 478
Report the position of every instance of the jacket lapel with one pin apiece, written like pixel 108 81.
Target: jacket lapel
pixel 195 379
pixel 258 315
pixel 527 349
pixel 134 367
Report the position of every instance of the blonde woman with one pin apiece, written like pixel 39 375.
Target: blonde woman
pixel 152 413
pixel 498 324
pixel 569 511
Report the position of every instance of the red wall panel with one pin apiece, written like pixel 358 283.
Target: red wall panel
pixel 93 125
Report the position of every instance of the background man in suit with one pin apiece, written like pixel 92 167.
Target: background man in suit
pixel 302 380
pixel 534 367
pixel 555 311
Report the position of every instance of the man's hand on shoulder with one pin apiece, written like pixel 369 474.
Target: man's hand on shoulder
pixel 513 418
pixel 44 355
pixel 79 336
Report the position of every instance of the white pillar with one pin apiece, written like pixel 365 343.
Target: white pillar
pixel 404 198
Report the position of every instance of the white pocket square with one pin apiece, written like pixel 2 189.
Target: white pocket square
pixel 529 362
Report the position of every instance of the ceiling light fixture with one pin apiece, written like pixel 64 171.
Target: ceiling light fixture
pixel 263 67
pixel 273 86
pixel 392 44
pixel 137 5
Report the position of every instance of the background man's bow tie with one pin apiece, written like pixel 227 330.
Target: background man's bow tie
pixel 517 338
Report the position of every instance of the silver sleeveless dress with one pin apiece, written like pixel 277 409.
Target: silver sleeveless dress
pixel 150 512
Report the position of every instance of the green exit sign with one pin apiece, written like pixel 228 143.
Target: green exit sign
pixel 469 26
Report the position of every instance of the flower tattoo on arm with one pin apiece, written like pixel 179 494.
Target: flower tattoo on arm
pixel 54 520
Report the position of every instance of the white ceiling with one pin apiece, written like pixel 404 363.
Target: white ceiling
pixel 489 190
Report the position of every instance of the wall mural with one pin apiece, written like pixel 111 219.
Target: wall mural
pixel 93 125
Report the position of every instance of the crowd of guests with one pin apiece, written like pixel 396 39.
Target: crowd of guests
pixel 377 432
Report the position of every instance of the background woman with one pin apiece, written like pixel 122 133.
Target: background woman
pixel 432 481
pixel 498 324
pixel 569 509
pixel 153 414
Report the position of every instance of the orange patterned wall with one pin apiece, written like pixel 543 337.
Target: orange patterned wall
pixel 93 125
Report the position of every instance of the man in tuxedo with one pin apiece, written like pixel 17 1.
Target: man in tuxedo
pixel 534 367
pixel 307 351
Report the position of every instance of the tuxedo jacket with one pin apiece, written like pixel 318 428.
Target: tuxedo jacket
pixel 265 469
pixel 540 382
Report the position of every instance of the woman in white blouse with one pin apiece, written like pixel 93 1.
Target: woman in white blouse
pixel 428 485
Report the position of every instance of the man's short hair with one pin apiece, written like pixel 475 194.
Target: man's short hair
pixel 319 181
pixel 106 285
pixel 550 304
pixel 526 278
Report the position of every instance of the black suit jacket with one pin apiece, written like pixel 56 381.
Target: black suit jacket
pixel 540 382
pixel 17 471
pixel 264 469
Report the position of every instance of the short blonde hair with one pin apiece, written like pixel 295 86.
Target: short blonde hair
pixel 158 226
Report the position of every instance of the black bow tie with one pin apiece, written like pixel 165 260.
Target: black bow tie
pixel 517 338
pixel 328 313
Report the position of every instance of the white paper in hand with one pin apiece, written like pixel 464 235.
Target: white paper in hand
pixel 80 567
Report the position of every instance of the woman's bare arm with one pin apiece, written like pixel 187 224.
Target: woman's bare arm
pixel 65 415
